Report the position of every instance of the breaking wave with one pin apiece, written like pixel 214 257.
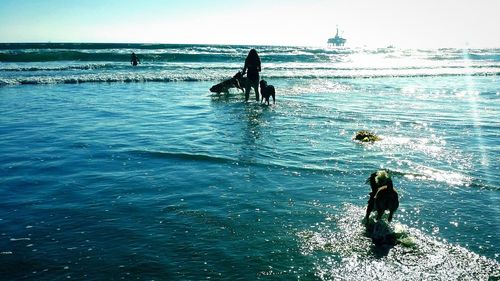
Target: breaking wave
pixel 196 77
pixel 56 68
pixel 72 63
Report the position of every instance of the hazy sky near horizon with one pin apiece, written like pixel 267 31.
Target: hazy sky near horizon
pixel 402 23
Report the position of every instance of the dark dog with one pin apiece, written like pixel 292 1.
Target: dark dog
pixel 224 86
pixel 241 81
pixel 267 91
pixel 383 196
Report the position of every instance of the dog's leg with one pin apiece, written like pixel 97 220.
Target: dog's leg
pixel 369 208
pixel 247 91
pixel 242 86
pixel 391 213
pixel 236 83
pixel 380 212
pixel 389 219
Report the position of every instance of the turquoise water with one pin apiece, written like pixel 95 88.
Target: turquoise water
pixel 167 181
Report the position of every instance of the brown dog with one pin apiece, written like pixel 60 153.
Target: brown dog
pixel 224 86
pixel 383 196
pixel 267 91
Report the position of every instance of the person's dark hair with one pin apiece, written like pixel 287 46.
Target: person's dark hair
pixel 253 57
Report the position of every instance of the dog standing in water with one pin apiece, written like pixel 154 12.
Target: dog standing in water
pixel 224 86
pixel 241 82
pixel 383 196
pixel 267 91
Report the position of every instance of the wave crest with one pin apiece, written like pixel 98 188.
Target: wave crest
pixel 134 77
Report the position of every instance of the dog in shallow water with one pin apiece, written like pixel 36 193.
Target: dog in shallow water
pixel 383 196
pixel 224 86
pixel 241 81
pixel 267 91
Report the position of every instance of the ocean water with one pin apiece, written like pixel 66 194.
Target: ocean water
pixel 109 172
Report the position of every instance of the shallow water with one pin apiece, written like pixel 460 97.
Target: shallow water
pixel 166 181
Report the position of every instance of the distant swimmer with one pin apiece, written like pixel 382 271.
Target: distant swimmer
pixel 134 60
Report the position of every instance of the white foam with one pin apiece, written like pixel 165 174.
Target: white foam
pixel 348 252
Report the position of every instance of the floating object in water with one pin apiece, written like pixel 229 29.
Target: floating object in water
pixel 366 136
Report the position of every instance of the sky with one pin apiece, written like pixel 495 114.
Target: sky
pixel 372 23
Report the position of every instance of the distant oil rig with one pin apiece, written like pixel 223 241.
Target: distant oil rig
pixel 337 40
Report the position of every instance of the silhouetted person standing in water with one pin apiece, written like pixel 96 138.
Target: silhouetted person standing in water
pixel 134 59
pixel 252 68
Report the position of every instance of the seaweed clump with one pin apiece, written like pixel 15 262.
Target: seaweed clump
pixel 366 136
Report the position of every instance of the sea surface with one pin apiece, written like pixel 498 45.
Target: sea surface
pixel 114 172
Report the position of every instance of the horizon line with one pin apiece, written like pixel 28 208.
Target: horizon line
pixel 466 46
